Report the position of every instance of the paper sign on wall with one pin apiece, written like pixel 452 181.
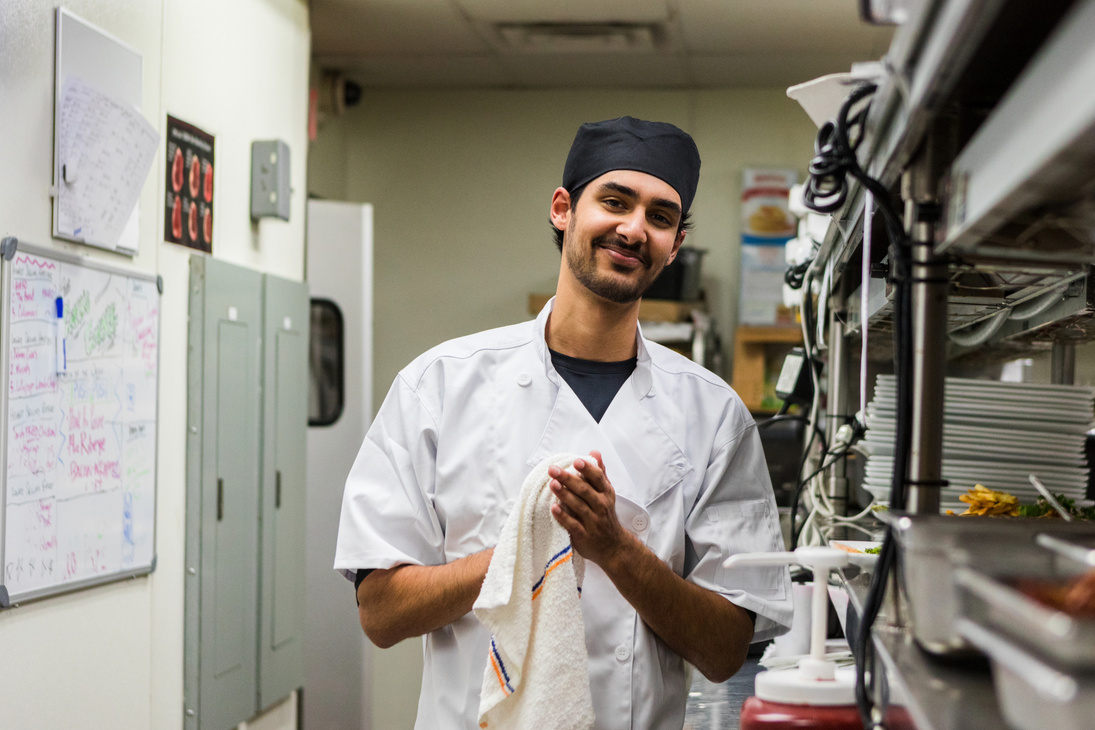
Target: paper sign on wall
pixel 106 151
pixel 767 225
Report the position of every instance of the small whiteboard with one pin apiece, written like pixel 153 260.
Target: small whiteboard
pixel 111 67
pixel 78 447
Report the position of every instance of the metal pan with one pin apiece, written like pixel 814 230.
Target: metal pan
pixel 1063 640
pixel 931 547
pixel 1032 694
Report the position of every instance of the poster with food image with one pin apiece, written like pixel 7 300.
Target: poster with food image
pixel 765 215
pixel 189 215
pixel 767 225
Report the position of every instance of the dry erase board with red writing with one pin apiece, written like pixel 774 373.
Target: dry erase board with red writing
pixel 80 362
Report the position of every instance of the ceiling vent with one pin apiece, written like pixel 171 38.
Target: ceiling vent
pixel 580 37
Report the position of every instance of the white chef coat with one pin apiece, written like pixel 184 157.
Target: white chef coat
pixel 444 461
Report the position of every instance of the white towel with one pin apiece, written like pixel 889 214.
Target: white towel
pixel 536 674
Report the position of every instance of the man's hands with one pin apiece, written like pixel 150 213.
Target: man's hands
pixel 703 627
pixel 587 510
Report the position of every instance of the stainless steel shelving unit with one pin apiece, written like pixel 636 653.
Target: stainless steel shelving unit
pixel 979 121
pixel 984 127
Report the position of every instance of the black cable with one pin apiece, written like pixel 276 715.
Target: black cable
pixel 900 253
pixel 826 464
pixel 795 275
pixel 834 153
pixel 808 327
pixel 798 490
pixel 795 533
pixel 826 192
pixel 864 656
pixel 792 417
pixel 781 417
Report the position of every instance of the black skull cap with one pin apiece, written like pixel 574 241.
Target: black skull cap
pixel 656 148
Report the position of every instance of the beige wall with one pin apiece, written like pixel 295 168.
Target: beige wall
pixel 461 182
pixel 112 656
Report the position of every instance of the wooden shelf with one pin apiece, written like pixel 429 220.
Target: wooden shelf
pixel 791 334
pixel 756 349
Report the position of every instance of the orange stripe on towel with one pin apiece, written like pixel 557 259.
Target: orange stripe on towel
pixel 498 673
pixel 547 572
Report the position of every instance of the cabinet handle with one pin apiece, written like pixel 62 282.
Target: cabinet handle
pixel 277 489
pixel 220 499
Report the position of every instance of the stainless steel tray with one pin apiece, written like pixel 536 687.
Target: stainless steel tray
pixel 1064 641
pixel 1033 695
pixel 1080 551
pixel 931 547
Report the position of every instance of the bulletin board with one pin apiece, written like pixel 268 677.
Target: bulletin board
pixel 78 444
pixel 102 145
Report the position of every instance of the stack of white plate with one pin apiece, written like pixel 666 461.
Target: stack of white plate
pixel 995 434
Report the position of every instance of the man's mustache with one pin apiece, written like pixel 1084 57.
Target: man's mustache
pixel 635 249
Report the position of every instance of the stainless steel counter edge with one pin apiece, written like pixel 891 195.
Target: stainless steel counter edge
pixel 937 695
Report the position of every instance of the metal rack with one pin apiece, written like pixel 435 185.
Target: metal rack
pixel 970 127
pixel 1030 309
pixel 983 125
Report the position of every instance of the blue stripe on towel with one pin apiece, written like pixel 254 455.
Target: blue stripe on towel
pixel 506 687
pixel 550 564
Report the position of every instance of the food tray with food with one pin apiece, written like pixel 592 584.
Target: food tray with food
pixel 1052 615
pixel 862 553
pixel 932 547
pixel 1032 694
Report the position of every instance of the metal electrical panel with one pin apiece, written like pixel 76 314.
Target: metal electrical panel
pixel 284 439
pixel 270 191
pixel 222 501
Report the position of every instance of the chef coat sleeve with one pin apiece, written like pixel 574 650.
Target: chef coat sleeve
pixel 387 516
pixel 735 512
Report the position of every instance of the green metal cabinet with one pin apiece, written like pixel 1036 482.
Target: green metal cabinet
pixel 247 420
pixel 284 440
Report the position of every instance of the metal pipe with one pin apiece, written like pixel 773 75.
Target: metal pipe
pixel 929 326
pixel 929 321
pixel 837 410
pixel 1063 363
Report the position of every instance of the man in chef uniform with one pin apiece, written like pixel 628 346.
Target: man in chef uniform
pixel 675 482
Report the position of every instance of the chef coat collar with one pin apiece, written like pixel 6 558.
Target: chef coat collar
pixel 641 379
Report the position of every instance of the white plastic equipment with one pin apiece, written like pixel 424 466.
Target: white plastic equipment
pixel 816 680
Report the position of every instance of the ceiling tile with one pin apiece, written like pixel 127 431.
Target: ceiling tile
pixel 771 26
pixel 568 11
pixel 455 43
pixel 422 72
pixel 764 70
pixel 391 28
pixel 601 71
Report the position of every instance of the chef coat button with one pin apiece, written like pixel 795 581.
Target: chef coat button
pixel 639 522
pixel 508 506
pixel 622 653
pixel 524 379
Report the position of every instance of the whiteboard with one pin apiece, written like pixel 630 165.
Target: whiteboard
pixel 110 66
pixel 78 447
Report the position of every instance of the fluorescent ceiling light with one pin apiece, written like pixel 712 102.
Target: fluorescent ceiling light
pixel 578 37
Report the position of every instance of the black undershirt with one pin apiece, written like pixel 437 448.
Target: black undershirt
pixel 595 383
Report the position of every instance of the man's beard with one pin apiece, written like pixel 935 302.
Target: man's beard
pixel 620 291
